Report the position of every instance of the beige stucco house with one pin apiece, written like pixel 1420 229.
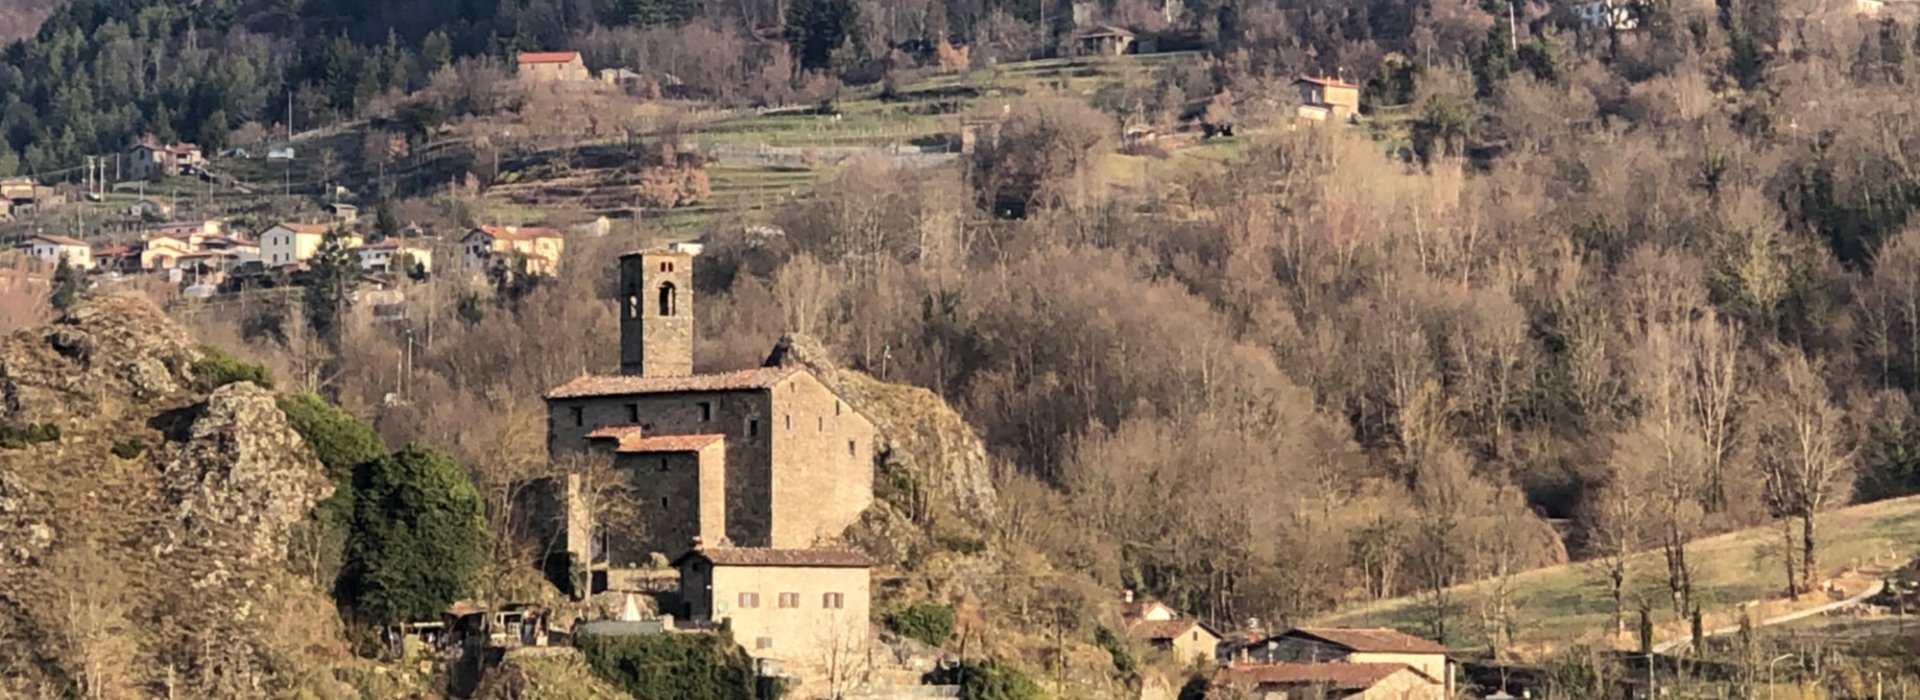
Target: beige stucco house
pixel 1159 627
pixel 1328 99
pixel 553 66
pixel 289 243
pixel 807 609
pixel 149 159
pixel 486 246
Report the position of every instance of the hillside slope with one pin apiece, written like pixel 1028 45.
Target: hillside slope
pixel 145 546
pixel 1569 604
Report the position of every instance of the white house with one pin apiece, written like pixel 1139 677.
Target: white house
pixel 1601 14
pixel 152 207
pixel 290 243
pixel 385 254
pixel 55 248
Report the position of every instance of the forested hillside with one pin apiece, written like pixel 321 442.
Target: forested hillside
pixel 1565 291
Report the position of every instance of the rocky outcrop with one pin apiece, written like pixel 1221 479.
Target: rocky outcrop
pixel 108 354
pixel 927 449
pixel 238 481
pixel 143 550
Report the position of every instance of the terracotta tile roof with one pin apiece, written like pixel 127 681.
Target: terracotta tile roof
pixel 668 443
pixel 632 442
pixel 1326 82
pixel 1375 640
pixel 115 250
pixel 517 233
pixel 318 229
pixel 1333 675
pixel 623 385
pixel 1166 629
pixel 613 432
pixel 760 556
pixel 57 240
pixel 549 57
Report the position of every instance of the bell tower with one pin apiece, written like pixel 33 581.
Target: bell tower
pixel 656 313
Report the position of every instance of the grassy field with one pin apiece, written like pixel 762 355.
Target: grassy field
pixel 1569 604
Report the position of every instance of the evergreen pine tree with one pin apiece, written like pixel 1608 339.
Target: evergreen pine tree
pixel 418 536
pixel 67 286
pixel 330 280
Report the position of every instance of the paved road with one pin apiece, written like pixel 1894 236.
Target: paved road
pixel 1684 641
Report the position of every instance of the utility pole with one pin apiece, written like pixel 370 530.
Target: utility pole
pixel 1513 35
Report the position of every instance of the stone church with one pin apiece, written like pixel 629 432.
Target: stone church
pixel 762 457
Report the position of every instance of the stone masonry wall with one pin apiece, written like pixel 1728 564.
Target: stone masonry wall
pixel 823 473
pixel 656 314
pixel 742 416
pixel 667 489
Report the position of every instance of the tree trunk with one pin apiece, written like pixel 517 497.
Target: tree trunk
pixel 1786 554
pixel 1809 562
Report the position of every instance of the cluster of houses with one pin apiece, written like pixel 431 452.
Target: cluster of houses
pixel 1305 662
pixel 207 254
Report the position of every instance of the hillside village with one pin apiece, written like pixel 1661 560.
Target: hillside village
pixel 856 350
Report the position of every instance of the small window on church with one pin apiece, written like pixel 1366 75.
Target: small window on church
pixel 579 415
pixel 852 450
pixel 663 502
pixel 633 413
pixel 665 267
pixel 633 306
pixel 823 423
pixel 836 408
pixel 663 467
pixel 706 411
pixel 753 428
pixel 789 421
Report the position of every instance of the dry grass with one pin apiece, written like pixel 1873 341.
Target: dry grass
pixel 1569 604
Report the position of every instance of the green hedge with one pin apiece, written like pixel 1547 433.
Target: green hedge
pixel 930 623
pixel 216 369
pixel 676 667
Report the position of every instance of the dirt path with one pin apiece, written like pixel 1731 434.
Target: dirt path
pixel 1874 587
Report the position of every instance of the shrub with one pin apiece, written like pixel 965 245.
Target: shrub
pixel 342 442
pixel 1117 648
pixel 216 369
pixel 987 680
pixel 13 437
pixel 930 623
pixel 680 666
pixel 417 537
pixel 129 448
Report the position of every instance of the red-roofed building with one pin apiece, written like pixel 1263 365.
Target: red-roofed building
pixel 552 67
pixel 487 247
pixel 149 159
pixel 1323 99
pixel 1353 645
pixel 1359 681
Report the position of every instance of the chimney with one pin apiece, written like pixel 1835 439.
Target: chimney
pixel 1126 596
